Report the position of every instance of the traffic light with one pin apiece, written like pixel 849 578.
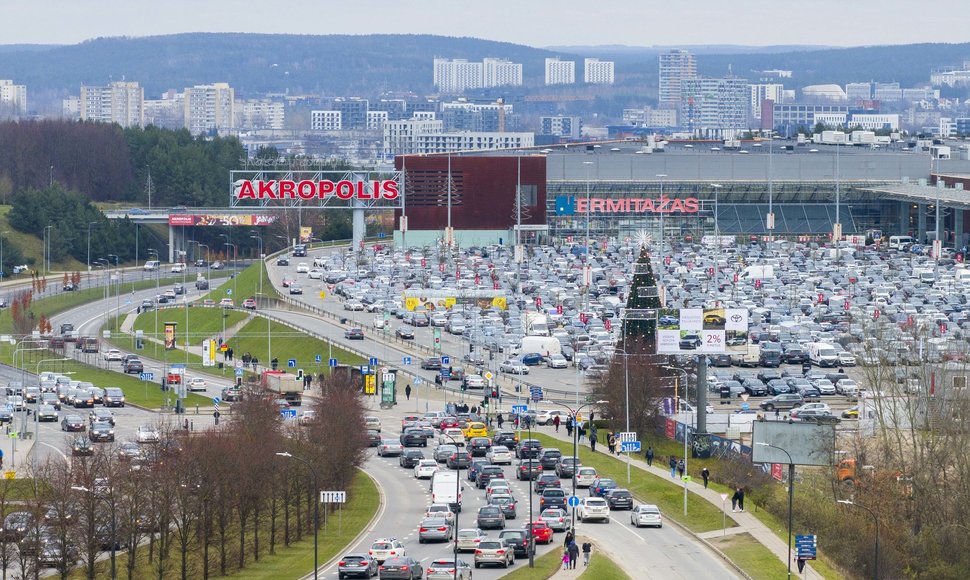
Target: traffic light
pixel 471 348
pixel 495 392
pixel 485 402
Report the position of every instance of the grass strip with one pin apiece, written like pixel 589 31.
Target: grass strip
pixel 546 565
pixel 288 343
pixel 603 568
pixel 751 556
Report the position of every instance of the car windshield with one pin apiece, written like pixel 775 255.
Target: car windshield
pixel 553 493
pixel 490 545
pixel 382 546
pixel 468 534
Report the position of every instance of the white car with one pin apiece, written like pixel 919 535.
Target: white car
pixel 585 476
pixel 498 454
pixel 315 274
pixel 824 407
pixel 593 508
pixel 384 548
pixel 196 384
pixel 302 268
pixel 354 305
pixel 425 468
pixel 646 515
pixel 557 361
pixel 307 416
pixel 513 367
pixel 440 510
pixel 113 355
pixel 147 434
pixel 452 436
pixel 178 268
pixel 546 417
pixel 847 387
pixel 474 382
pixel 846 359
pixel 379 322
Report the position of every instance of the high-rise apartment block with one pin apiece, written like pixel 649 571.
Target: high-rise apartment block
pixel 120 102
pixel 13 99
pixel 326 121
pixel 560 72
pixel 676 67
pixel 458 75
pixel 561 126
pixel 469 116
pixel 765 92
pixel 598 72
pixel 711 105
pixel 259 114
pixel 209 108
pixel 499 72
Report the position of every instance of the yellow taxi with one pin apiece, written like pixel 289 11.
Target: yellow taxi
pixel 475 429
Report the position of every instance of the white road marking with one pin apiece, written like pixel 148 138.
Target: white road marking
pixel 61 453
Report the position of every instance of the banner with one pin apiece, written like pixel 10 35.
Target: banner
pixel 429 299
pixel 702 331
pixel 170 335
pixel 188 219
pixel 208 353
pixel 306 234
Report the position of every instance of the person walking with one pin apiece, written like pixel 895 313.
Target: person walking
pixel 592 441
pixel 650 456
pixel 565 559
pixel 555 423
pixel 587 548
pixel 500 420
pixel 673 467
pixel 569 427
pixel 568 539
pixel 737 500
pixel 573 554
pixel 680 468
pixel 611 443
pixel 705 474
pixel 407 392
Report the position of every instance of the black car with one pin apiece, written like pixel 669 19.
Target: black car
pixel 404 567
pixel 6 415
pixel 755 387
pixel 357 565
pixel 373 438
pixel 473 469
pixel 619 499
pixel 431 364
pixel 132 366
pixel 299 251
pixel 459 460
pixel 414 437
pixel 549 458
pixel 520 542
pixel 546 480
pixel 486 474
pixel 719 360
pixel 479 446
pixel 552 497
pixel 178 289
pixel 404 333
pixel 82 447
pixel 770 358
pixel 354 334
pixel 528 448
pixel 101 416
pixel 491 517
pixel 73 423
pixel 794 355
pixel 282 261
pixel 566 467
pixel 528 469
pixel 113 397
pixel 507 438
pixel 410 457
pixel 101 433
pixel 16 525
pixel 231 394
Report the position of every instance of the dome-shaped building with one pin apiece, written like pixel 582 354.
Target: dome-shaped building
pixel 824 92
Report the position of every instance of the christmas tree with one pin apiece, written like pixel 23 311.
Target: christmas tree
pixel 643 295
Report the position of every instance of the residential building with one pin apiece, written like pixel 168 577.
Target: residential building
pixel 951 76
pixel 676 66
pixel 500 72
pixel 598 72
pixel 418 136
pixel 560 72
pixel 765 92
pixel 71 108
pixel 709 105
pixel 873 122
pixel 887 92
pixel 376 120
pixel 353 112
pixel 921 94
pixel 326 121
pixel 167 112
pixel 256 114
pixel 650 117
pixel 395 108
pixel 13 99
pixel 464 115
pixel 560 126
pixel 120 102
pixel 209 108
pixel 457 75
pixel 400 137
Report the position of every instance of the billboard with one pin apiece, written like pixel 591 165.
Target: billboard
pixel 306 234
pixel 445 299
pixel 702 331
pixel 170 336
pixel 189 219
pixel 806 443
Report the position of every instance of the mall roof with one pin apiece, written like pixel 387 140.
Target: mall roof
pixel 921 193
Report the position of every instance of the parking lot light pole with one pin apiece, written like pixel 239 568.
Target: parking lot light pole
pixel 316 507
pixel 875 517
pixel 574 413
pixel 457 499
pixel 663 297
pixel 791 495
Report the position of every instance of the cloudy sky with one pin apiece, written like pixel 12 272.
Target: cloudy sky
pixel 532 22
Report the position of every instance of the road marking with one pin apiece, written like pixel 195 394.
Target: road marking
pixel 55 449
pixel 629 529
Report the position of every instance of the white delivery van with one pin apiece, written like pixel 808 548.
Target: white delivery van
pixel 152 265
pixel 758 273
pixel 544 345
pixel 822 354
pixel 898 242
pixel 446 488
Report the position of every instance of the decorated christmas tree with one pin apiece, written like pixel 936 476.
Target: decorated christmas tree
pixel 643 295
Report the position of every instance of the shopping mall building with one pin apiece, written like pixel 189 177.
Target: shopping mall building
pixel 618 190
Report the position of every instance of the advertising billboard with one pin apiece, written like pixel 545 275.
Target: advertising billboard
pixel 445 299
pixel 702 331
pixel 170 336
pixel 306 234
pixel 189 219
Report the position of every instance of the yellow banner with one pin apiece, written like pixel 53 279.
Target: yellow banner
pixel 306 234
pixel 370 384
pixel 169 336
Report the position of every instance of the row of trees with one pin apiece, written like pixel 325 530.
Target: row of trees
pixel 198 505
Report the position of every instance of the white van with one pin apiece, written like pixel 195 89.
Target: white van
pixel 152 265
pixel 898 242
pixel 446 488
pixel 822 354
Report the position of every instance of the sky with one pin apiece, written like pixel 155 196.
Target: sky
pixel 537 23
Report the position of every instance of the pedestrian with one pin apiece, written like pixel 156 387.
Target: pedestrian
pixel 573 554
pixel 231 353
pixel 568 538
pixel 138 310
pixel 650 456
pixel 500 420
pixel 555 423
pixel 407 392
pixel 680 468
pixel 592 442
pixel 569 427
pixel 516 422
pixel 705 474
pixel 565 559
pixel 275 363
pixel 673 466
pixel 1 458
pixel 611 443
pixel 592 416
pixel 255 363
pixel 587 548
pixel 737 499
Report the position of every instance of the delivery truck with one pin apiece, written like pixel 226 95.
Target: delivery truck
pixel 285 386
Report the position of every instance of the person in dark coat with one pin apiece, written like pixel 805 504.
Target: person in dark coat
pixel 650 456
pixel 555 423
pixel 673 467
pixel 407 392
pixel 573 554
pixel 705 474
pixel 737 499
pixel 568 538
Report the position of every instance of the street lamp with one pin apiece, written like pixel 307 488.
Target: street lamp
pixel 791 494
pixel 458 499
pixel 114 536
pixel 717 232
pixel 2 273
pixel 574 413
pixel 663 296
pixel 316 505
pixel 259 239
pixel 875 517
pixel 89 249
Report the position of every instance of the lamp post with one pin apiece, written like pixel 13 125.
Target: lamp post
pixel 316 506
pixel 717 232
pixel 663 297
pixel 208 262
pixel 574 413
pixel 3 274
pixel 875 517
pixel 114 536
pixel 152 251
pixel 259 239
pixel 89 249
pixel 234 252
pixel 458 499
pixel 686 426
pixel 791 494
pixel 47 249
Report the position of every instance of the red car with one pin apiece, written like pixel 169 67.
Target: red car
pixel 541 531
pixel 249 304
pixel 448 423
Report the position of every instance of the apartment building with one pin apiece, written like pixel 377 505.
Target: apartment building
pixel 676 66
pixel 13 99
pixel 209 108
pixel 455 76
pixel 598 72
pixel 500 72
pixel 120 102
pixel 560 72
pixel 257 114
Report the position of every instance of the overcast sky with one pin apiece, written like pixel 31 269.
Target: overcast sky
pixel 531 22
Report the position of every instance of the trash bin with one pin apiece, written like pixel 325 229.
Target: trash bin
pixel 343 321
pixel 221 365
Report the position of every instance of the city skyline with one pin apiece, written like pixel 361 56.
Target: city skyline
pixel 621 22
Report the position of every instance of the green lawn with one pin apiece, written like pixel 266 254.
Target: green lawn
pixel 546 565
pixel 755 559
pixel 32 247
pixel 603 568
pixel 287 343
pixel 244 285
pixel 702 516
pixel 200 324
pixel 141 393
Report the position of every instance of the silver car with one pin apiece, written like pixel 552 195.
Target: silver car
pixel 514 367
pixel 357 566
pixel 646 515
pixel 494 551
pixel 390 448
pixel 434 530
pixel 445 568
pixel 558 520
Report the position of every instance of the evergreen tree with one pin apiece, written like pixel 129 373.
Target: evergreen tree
pixel 643 294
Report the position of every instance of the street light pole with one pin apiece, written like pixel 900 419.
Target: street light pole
pixel 316 507
pixel 791 495
pixel 663 292
pixel 458 499
pixel 875 517
pixel 259 239
pixel 89 249
pixel 574 414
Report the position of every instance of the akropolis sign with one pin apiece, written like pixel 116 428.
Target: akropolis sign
pixel 309 189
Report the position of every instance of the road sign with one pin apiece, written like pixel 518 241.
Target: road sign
pixel 573 501
pixel 373 361
pixel 332 362
pixel 318 358
pixel 489 375
pixel 406 360
pixel 239 372
pixel 288 413
pixel 216 400
pixel 519 408
pixel 627 437
pixel 291 363
pixel 146 376
pixel 445 360
pixel 333 497
pixel 806 546
pixel 364 369
pixel 417 380
pixel 537 394
pixel 630 447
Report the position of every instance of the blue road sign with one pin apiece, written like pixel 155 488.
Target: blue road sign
pixel 573 501
pixel 373 361
pixel 446 360
pixel 536 394
pixel 239 372
pixel 417 380
pixel 364 369
pixel 288 413
pixel 445 373
pixel 520 408
pixel 146 376
pixel 806 546
pixel 318 358
pixel 177 365
pixel 630 447
pixel 380 235
pixel 407 360
pixel 216 400
pixel 333 362
pixel 745 406
pixel 291 363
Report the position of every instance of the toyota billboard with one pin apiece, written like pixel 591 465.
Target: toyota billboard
pixel 702 331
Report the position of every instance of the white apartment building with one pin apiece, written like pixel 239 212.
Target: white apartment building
pixel 598 72
pixel 765 92
pixel 676 66
pixel 561 126
pixel 500 72
pixel 167 112
pixel 256 114
pixel 13 98
pixel 650 117
pixel 120 102
pixel 419 136
pixel 873 122
pixel 832 120
pixel 71 108
pixel 711 105
pixel 376 120
pixel 560 72
pixel 400 137
pixel 457 75
pixel 856 92
pixel 209 108
pixel 326 121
